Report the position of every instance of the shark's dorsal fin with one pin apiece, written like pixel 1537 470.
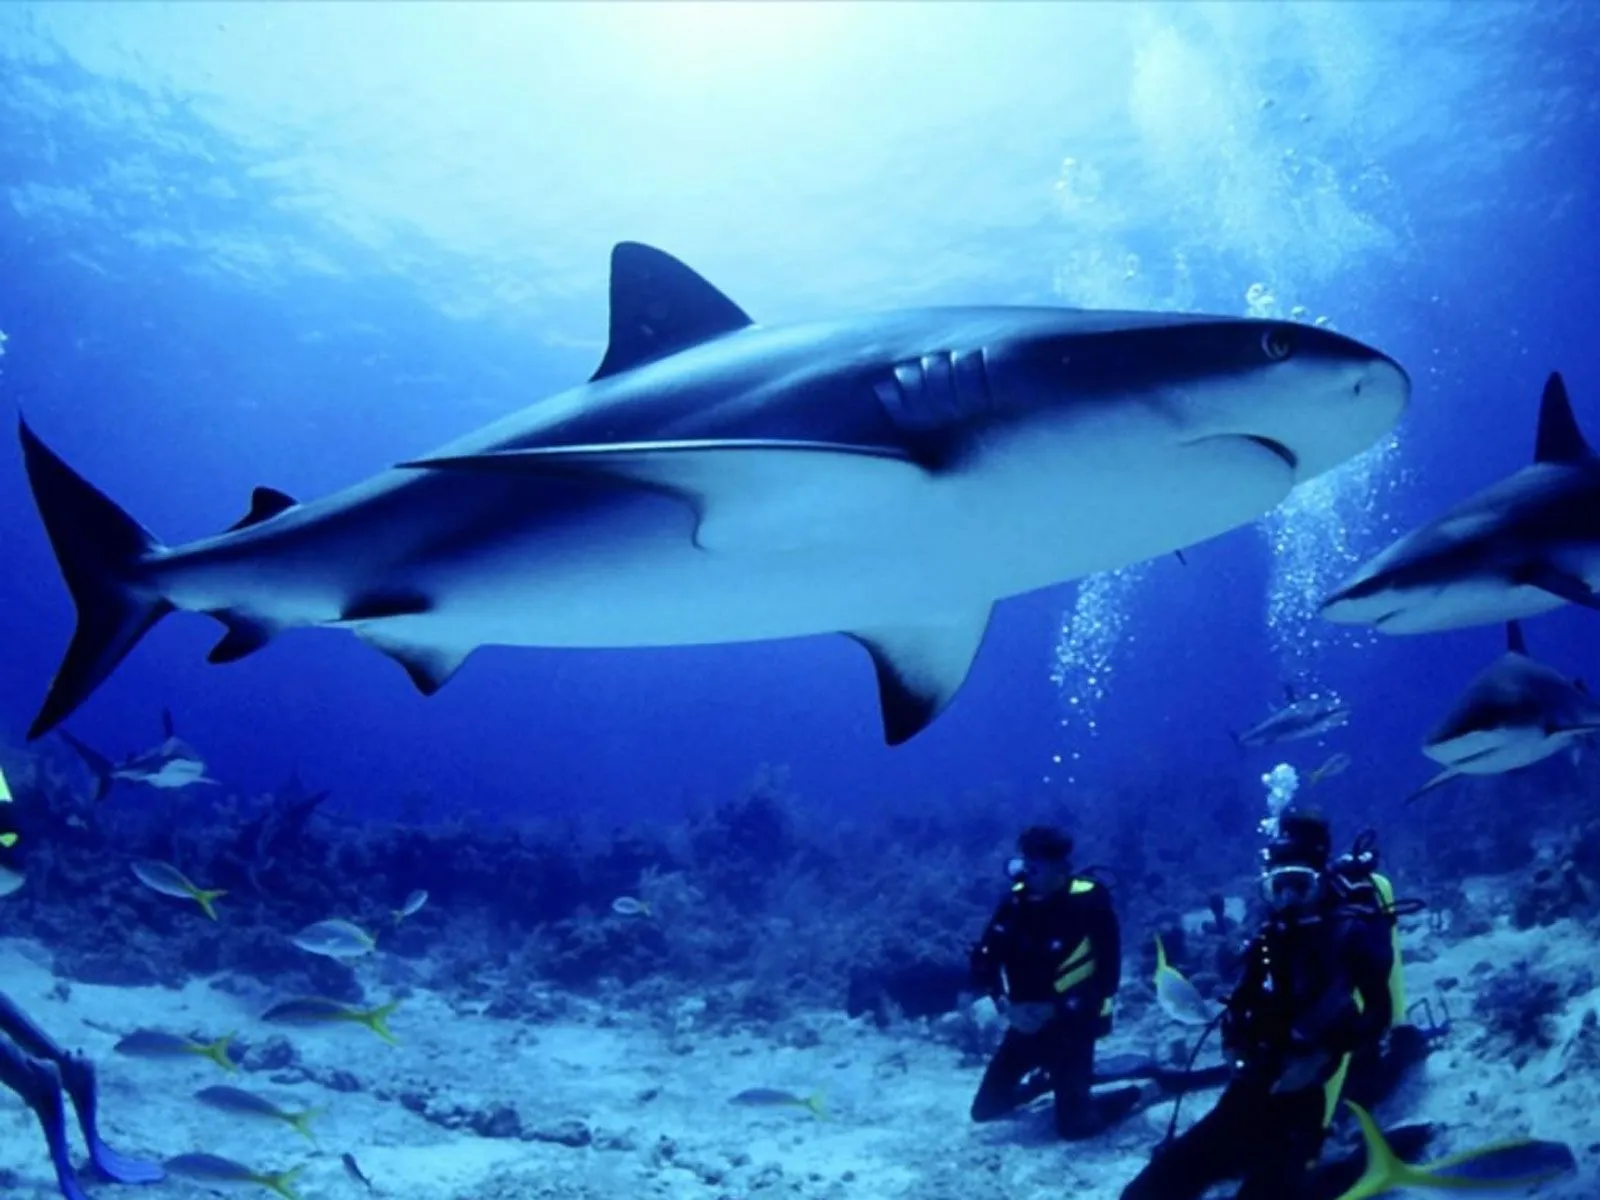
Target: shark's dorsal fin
pixel 167 728
pixel 659 307
pixel 1560 440
pixel 1289 693
pixel 265 503
pixel 1514 639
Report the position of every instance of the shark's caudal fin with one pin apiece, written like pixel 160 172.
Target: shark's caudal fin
pixel 659 307
pixel 1559 439
pixel 99 549
pixel 97 763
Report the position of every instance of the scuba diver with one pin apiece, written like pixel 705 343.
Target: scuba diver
pixel 37 1069
pixel 1320 989
pixel 1051 958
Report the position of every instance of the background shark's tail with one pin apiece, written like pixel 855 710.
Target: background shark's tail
pixel 96 762
pixel 99 549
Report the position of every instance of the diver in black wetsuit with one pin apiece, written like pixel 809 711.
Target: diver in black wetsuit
pixel 1316 990
pixel 1051 958
pixel 36 1068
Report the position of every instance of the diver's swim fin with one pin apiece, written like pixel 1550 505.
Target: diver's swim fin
pixel 1518 1163
pixel 39 1084
pixel 78 1079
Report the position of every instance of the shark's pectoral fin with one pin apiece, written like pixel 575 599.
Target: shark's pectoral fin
pixel 1441 778
pixel 1558 583
pixel 265 503
pixel 430 667
pixel 920 668
pixel 747 493
pixel 244 637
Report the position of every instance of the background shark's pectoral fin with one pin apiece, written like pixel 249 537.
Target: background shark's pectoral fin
pixel 243 638
pixel 430 667
pixel 1558 583
pixel 1443 777
pixel 747 493
pixel 920 668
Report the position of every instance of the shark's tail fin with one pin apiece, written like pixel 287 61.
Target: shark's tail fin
pixel 99 549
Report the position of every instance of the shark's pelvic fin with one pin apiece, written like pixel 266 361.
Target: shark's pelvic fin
pixel 265 503
pixel 920 668
pixel 1558 583
pixel 1559 439
pixel 659 307
pixel 747 493
pixel 430 667
pixel 100 549
pixel 1515 643
pixel 244 637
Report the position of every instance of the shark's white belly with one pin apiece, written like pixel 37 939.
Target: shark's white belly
pixel 855 552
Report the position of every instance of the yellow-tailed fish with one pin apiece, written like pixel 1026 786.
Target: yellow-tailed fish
pixel 154 1043
pixel 412 906
pixel 169 881
pixel 248 1104
pixel 335 939
pixel 11 879
pixel 1516 1164
pixel 1179 998
pixel 627 906
pixel 778 1098
pixel 213 1168
pixel 315 1010
pixel 5 789
pixel 1335 765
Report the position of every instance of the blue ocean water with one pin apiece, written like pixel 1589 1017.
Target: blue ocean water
pixel 290 245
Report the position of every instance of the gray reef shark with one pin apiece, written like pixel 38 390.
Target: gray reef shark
pixel 1298 717
pixel 1525 545
pixel 1514 713
pixel 889 477
pixel 172 764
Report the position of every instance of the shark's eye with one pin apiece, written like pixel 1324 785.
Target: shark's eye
pixel 1277 343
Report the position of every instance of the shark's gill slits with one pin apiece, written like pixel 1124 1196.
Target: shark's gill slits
pixel 937 390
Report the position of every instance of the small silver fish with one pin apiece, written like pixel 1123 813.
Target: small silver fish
pixel 248 1104
pixel 155 1043
pixel 353 1170
pixel 335 939
pixel 627 906
pixel 412 906
pixel 167 880
pixel 213 1168
pixel 315 1010
pixel 777 1098
pixel 1335 765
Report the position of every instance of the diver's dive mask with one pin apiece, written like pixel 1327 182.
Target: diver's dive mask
pixel 1290 885
pixel 1039 874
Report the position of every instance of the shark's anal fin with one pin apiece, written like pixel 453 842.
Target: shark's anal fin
pixel 920 668
pixel 1515 643
pixel 659 307
pixel 1558 583
pixel 265 503
pixel 1559 439
pixel 429 667
pixel 746 493
pixel 244 637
